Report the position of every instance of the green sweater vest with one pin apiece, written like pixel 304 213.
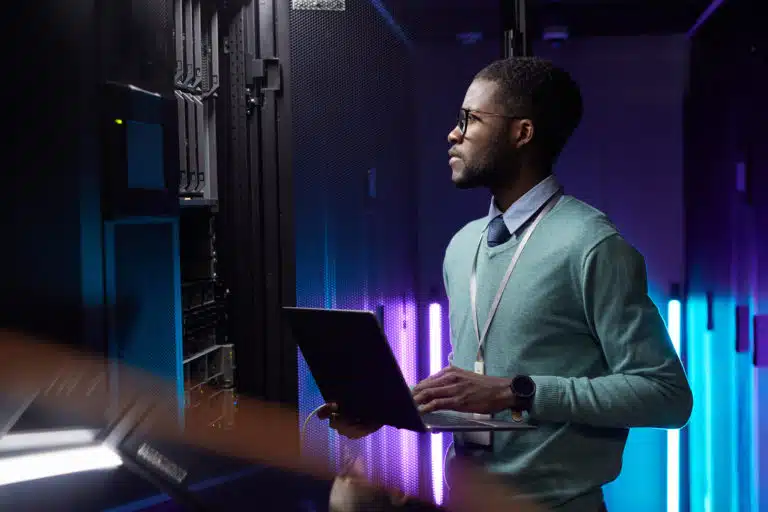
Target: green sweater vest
pixel 577 318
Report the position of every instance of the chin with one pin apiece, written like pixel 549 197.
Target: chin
pixel 463 185
pixel 463 181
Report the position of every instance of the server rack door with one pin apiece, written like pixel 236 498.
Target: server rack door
pixel 355 164
pixel 257 252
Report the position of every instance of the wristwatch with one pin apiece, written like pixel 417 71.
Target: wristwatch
pixel 523 389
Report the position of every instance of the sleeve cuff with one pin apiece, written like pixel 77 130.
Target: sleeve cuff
pixel 547 402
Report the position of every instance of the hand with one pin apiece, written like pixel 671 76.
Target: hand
pixel 474 490
pixel 348 428
pixel 458 390
pixel 352 492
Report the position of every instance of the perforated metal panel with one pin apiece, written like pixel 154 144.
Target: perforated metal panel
pixel 354 175
pixel 137 43
pixel 319 5
pixel 142 269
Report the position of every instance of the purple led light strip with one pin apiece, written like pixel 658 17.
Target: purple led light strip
pixel 435 365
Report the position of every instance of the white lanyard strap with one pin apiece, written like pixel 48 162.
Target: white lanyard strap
pixel 497 299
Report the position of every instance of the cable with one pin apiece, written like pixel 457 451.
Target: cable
pixel 317 409
pixel 314 413
pixel 445 465
pixel 306 424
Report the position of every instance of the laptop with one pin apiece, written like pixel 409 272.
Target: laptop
pixel 352 363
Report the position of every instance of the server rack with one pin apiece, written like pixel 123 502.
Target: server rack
pixel 160 234
pixel 208 357
pixel 206 248
pixel 109 244
pixel 235 193
pixel 205 253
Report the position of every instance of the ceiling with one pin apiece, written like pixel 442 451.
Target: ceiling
pixel 436 20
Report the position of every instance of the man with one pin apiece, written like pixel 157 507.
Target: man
pixel 549 311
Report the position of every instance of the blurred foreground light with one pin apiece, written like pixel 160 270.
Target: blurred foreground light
pixel 59 459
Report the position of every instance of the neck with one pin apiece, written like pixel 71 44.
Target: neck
pixel 505 195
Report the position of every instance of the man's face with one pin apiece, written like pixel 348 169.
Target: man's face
pixel 485 154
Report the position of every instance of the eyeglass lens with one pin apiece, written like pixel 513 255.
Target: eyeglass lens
pixel 462 121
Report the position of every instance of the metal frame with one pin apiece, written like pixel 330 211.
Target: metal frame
pixel 210 147
pixel 517 38
pixel 197 84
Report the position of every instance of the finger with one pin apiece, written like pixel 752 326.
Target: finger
pixel 430 394
pixel 441 378
pixel 326 410
pixel 428 381
pixel 441 404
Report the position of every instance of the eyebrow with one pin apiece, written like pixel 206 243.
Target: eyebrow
pixel 483 112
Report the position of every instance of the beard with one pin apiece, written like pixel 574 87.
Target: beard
pixel 494 166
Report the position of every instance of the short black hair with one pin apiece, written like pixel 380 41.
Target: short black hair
pixel 536 88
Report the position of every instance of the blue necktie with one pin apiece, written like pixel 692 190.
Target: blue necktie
pixel 498 232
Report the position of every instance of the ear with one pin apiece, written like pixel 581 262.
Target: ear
pixel 522 133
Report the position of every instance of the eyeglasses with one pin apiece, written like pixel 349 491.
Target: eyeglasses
pixel 464 114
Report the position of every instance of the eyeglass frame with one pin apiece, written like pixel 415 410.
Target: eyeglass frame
pixel 465 112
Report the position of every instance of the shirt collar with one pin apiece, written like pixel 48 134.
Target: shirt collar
pixel 526 207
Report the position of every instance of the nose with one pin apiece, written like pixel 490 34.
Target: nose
pixel 455 136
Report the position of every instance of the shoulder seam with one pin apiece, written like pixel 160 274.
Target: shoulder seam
pixel 595 245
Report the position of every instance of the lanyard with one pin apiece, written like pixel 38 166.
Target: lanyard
pixel 497 299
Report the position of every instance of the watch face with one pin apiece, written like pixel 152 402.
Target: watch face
pixel 523 386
